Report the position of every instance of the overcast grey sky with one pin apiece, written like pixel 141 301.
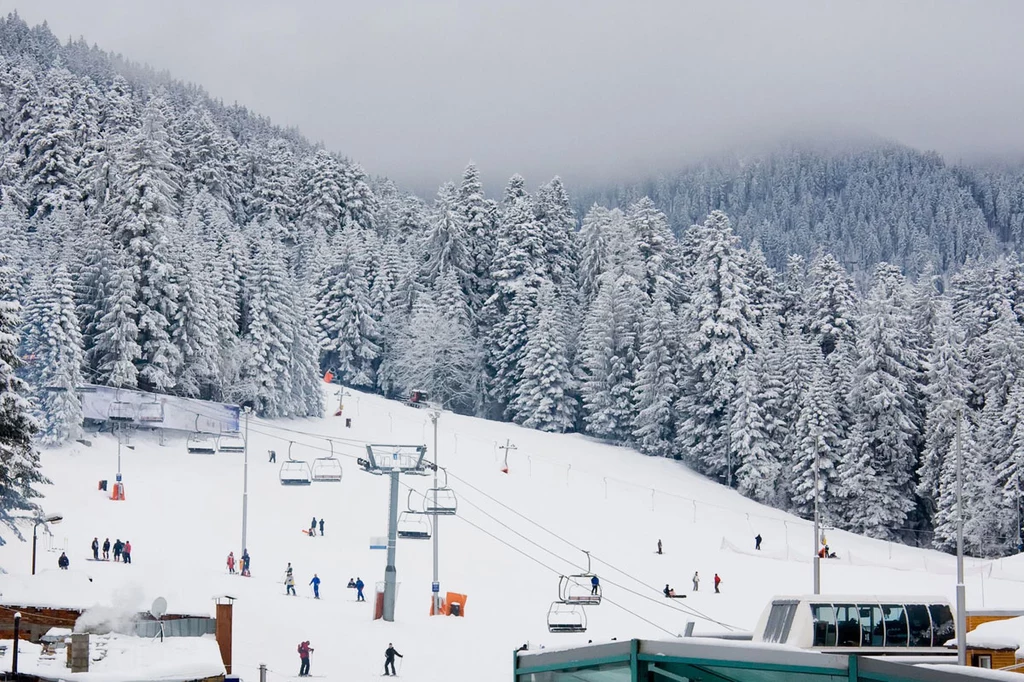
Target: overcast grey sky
pixel 413 89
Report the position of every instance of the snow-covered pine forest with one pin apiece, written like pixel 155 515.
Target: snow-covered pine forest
pixel 745 319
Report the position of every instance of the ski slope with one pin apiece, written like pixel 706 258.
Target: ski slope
pixel 513 536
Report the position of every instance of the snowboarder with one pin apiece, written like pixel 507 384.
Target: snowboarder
pixel 315 582
pixel 359 589
pixel 321 527
pixel 63 562
pixel 718 581
pixel 289 585
pixel 118 546
pixel 273 456
pixel 106 549
pixel 95 549
pixel 126 552
pixel 757 541
pixel 389 659
pixel 594 585
pixel 245 563
pixel 304 651
pixel 659 546
pixel 696 581
pixel 312 528
pixel 668 591
pixel 231 562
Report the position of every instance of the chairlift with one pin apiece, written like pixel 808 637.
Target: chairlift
pixel 578 588
pixel 151 410
pixel 441 500
pixel 120 411
pixel 327 468
pixel 295 471
pixel 231 441
pixel 563 617
pixel 201 443
pixel 412 524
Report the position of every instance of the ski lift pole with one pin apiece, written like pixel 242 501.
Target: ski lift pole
pixel 390 573
pixel 245 479
pixel 435 587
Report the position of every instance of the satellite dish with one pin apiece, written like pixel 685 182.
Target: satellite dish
pixel 158 608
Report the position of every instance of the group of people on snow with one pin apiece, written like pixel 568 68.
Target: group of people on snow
pixel 358 586
pixel 305 650
pixel 122 550
pixel 313 527
pixel 670 591
pixel 243 563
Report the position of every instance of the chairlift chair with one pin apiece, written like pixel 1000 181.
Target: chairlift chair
pixel 231 442
pixel 446 503
pixel 295 471
pixel 151 411
pixel 578 589
pixel 412 524
pixel 327 468
pixel 563 617
pixel 120 411
pixel 201 443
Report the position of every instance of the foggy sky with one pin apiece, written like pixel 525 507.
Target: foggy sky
pixel 586 88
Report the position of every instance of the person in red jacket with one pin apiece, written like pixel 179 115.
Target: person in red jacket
pixel 718 581
pixel 126 552
pixel 304 651
pixel 231 562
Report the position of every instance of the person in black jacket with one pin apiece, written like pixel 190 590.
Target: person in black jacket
pixel 106 549
pixel 63 562
pixel 389 659
pixel 118 546
pixel 95 549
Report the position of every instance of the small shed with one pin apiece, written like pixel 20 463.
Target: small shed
pixel 996 644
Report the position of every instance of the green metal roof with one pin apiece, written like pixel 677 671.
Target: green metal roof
pixel 709 660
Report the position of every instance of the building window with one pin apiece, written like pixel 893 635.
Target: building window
pixel 982 661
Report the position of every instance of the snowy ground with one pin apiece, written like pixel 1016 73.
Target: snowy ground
pixel 183 515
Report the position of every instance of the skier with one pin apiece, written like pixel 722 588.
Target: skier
pixel 95 549
pixel 594 585
pixel 106 549
pixel 389 659
pixel 696 581
pixel 63 562
pixel 245 563
pixel 126 552
pixel 757 541
pixel 359 589
pixel 231 562
pixel 321 527
pixel 312 528
pixel 118 546
pixel 718 581
pixel 273 456
pixel 304 651
pixel 315 582
pixel 659 546
pixel 289 585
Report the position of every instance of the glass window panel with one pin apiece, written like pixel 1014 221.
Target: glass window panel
pixel 895 618
pixel 787 621
pixel 824 616
pixel 872 632
pixel 847 625
pixel 920 625
pixel 943 627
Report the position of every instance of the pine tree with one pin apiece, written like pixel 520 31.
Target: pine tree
pixel 818 444
pixel 115 345
pixel 655 392
pixel 479 214
pixel 20 469
pixel 56 350
pixel 754 452
pixel 545 395
pixel 657 249
pixel 446 245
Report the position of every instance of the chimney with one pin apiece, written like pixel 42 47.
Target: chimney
pixel 225 611
pixel 79 653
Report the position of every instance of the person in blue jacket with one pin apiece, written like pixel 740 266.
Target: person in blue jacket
pixel 594 584
pixel 359 589
pixel 315 582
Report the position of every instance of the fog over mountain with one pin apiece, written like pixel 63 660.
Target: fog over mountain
pixel 592 90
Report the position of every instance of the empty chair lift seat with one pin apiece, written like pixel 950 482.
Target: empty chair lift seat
pixel 326 469
pixel 231 442
pixel 202 443
pixel 295 472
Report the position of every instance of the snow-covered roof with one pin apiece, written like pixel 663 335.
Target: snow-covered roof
pixel 82 589
pixel 997 634
pixel 124 658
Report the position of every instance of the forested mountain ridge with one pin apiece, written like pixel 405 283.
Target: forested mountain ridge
pixel 164 241
pixel 864 203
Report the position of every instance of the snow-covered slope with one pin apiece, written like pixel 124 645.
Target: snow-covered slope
pixel 514 534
